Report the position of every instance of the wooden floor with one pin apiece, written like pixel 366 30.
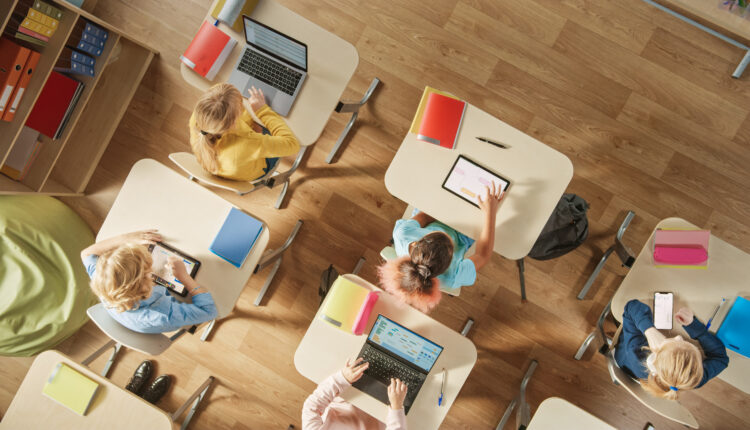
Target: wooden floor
pixel 642 103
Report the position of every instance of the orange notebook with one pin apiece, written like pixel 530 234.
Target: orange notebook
pixel 208 51
pixel 441 120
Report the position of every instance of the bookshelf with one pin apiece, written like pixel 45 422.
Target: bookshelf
pixel 65 165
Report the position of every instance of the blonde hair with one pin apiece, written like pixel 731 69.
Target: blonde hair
pixel 215 113
pixel 679 366
pixel 121 275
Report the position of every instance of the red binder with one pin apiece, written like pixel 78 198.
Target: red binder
pixel 12 59
pixel 52 104
pixel 441 120
pixel 23 82
pixel 208 50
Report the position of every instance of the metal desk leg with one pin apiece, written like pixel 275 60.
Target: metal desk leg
pixel 521 269
pixel 274 256
pixel 467 327
pixel 359 265
pixel 741 67
pixel 207 330
pixel 523 416
pixel 354 108
pixel 196 398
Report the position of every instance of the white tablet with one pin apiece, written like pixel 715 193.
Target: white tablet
pixel 468 180
pixel 160 253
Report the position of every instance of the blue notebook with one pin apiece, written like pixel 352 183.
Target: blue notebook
pixel 236 237
pixel 733 331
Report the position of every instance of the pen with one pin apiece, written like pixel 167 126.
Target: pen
pixel 715 312
pixel 442 389
pixel 493 142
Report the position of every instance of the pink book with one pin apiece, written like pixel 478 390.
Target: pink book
pixel 681 248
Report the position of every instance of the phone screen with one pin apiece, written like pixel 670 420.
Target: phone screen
pixel 663 310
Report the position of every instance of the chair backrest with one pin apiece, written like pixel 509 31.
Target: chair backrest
pixel 151 344
pixel 187 162
pixel 670 409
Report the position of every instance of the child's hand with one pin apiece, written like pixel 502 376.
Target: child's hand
pixel 397 393
pixel 143 237
pixel 354 370
pixel 177 268
pixel 257 100
pixel 490 201
pixel 684 316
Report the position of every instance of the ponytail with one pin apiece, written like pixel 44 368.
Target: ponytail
pixel 215 114
pixel 679 366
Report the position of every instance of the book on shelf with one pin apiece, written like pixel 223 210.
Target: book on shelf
pixel 70 388
pixel 12 59
pixel 22 154
pixel 54 105
pixel 73 67
pixel 47 9
pixel 81 33
pixel 23 81
pixel 88 48
pixel 96 31
pixel 76 3
pixel 29 39
pixel 43 19
pixel 69 53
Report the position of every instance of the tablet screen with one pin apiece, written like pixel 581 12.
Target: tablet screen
pixel 467 180
pixel 160 254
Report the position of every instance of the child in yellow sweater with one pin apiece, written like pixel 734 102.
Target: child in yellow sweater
pixel 229 143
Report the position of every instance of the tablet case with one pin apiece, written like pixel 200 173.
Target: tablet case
pixel 734 330
pixel 236 237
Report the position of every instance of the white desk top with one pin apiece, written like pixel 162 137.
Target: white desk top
pixel 698 289
pixel 324 350
pixel 113 407
pixel 331 63
pixel 538 175
pixel 188 216
pixel 556 413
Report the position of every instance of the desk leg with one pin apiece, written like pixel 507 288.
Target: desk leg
pixel 354 108
pixel 207 330
pixel 284 177
pixel 521 278
pixel 274 256
pixel 523 415
pixel 196 398
pixel 467 327
pixel 359 265
pixel 741 67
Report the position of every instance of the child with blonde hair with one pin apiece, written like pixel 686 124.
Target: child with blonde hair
pixel 664 365
pixel 431 255
pixel 227 141
pixel 120 271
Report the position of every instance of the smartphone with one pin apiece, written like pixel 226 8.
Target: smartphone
pixel 663 305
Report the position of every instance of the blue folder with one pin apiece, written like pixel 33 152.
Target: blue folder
pixel 734 330
pixel 236 237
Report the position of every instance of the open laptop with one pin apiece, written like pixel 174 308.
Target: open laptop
pixel 273 62
pixel 394 351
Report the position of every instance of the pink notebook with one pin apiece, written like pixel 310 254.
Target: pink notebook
pixel 681 248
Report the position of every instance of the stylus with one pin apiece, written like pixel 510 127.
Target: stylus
pixel 492 142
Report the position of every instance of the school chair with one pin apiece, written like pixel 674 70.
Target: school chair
pixel 523 415
pixel 149 344
pixel 623 252
pixel 187 162
pixel 670 409
pixel 352 107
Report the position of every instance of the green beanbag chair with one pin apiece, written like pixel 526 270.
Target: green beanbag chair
pixel 44 288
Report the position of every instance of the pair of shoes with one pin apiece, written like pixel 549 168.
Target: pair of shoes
pixel 154 392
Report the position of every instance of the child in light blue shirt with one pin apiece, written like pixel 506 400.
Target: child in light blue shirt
pixel 120 271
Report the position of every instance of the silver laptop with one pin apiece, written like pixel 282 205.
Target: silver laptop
pixel 273 62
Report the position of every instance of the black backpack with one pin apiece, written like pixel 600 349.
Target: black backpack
pixel 565 230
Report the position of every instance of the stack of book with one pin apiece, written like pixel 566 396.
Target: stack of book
pixel 55 105
pixel 87 41
pixel 35 21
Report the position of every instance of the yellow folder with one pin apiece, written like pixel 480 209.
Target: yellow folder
pixel 70 388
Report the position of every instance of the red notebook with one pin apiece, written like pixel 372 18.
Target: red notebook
pixel 441 120
pixel 208 50
pixel 52 104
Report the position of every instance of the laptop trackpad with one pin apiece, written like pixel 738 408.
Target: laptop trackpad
pixel 373 387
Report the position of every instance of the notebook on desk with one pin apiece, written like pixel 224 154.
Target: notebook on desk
pixel 70 388
pixel 236 237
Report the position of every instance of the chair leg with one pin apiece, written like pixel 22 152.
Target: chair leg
pixel 111 344
pixel 467 327
pixel 359 265
pixel 521 278
pixel 196 398
pixel 267 283
pixel 354 108
pixel 506 415
pixel 585 345
pixel 206 331
pixel 741 67
pixel 523 416
pixel 597 269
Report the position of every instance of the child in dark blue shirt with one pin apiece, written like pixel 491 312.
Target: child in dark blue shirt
pixel 667 365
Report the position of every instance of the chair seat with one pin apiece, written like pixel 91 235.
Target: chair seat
pixel 151 344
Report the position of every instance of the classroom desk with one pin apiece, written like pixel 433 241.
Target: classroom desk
pixel 113 407
pixel 324 350
pixel 538 175
pixel 188 217
pixel 559 414
pixel 698 289
pixel 331 63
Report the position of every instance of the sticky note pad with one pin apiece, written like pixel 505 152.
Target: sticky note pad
pixel 70 388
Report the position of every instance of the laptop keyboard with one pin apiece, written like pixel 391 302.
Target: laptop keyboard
pixel 383 368
pixel 269 71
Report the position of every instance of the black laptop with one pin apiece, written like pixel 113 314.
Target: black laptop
pixel 394 351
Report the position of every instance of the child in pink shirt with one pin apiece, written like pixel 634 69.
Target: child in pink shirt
pixel 324 410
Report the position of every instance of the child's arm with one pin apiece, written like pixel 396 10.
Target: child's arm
pixel 486 242
pixel 282 142
pixel 423 219
pixel 716 353
pixel 637 321
pixel 144 237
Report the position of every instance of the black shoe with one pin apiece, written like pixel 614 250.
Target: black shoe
pixel 139 378
pixel 154 392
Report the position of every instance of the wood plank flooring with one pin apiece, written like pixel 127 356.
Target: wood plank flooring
pixel 642 103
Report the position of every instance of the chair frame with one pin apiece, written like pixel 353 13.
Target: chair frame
pixel 523 414
pixel 353 107
pixel 627 258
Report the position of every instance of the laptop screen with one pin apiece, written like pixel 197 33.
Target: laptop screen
pixel 405 343
pixel 274 43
